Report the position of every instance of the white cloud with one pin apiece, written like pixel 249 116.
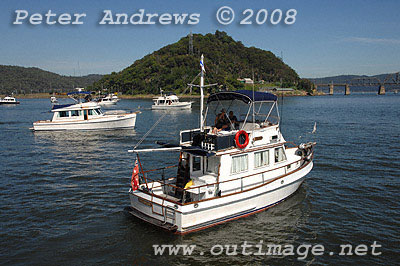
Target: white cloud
pixel 372 40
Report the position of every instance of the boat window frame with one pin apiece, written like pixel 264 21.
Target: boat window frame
pixel 67 112
pixel 284 154
pixel 77 111
pixel 242 171
pixel 192 159
pixel 262 165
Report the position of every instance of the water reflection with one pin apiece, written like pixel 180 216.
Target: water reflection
pixel 278 225
pixel 83 153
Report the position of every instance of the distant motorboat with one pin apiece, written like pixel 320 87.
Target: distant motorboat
pixel 110 99
pixel 8 100
pixel 53 99
pixel 169 101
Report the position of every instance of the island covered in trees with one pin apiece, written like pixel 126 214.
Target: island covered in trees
pixel 228 63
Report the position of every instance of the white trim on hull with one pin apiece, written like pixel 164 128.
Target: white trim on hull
pixel 188 218
pixel 172 106
pixel 119 121
pixel 107 103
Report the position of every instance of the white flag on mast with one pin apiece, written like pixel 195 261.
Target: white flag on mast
pixel 202 65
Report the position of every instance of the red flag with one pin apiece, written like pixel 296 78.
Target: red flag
pixel 135 177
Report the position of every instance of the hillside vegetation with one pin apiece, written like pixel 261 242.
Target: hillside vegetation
pixel 31 79
pixel 173 67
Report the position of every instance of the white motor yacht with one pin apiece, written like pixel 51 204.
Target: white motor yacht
pixel 222 173
pixel 85 116
pixel 110 99
pixel 169 101
pixel 8 100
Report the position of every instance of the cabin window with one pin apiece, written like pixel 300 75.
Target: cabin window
pixel 63 114
pixel 75 113
pixel 196 163
pixel 279 155
pixel 261 158
pixel 90 112
pixel 213 164
pixel 161 101
pixel 274 139
pixel 239 164
pixel 99 111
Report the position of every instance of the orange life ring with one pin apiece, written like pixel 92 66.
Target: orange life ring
pixel 246 140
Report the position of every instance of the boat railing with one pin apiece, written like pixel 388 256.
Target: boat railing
pixel 186 136
pixel 167 188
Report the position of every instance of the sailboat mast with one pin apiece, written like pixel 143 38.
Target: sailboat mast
pixel 202 94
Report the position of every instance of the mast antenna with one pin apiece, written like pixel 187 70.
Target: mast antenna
pixel 202 86
pixel 190 43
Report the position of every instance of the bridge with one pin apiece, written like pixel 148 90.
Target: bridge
pixel 390 79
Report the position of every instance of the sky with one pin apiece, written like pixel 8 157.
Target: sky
pixel 328 38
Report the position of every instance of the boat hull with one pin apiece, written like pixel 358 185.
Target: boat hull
pixel 181 105
pixel 204 214
pixel 9 103
pixel 104 123
pixel 107 103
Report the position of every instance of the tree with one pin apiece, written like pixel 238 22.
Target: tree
pixel 305 85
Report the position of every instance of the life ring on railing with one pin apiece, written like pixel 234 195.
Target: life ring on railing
pixel 238 139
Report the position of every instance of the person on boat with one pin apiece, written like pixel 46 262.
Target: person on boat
pixel 221 122
pixel 88 98
pixel 233 120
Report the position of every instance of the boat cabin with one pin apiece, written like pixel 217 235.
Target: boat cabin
pixel 168 98
pixel 82 111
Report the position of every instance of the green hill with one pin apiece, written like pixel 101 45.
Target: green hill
pixel 172 67
pixel 33 79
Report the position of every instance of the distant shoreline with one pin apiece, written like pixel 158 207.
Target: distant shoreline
pixel 144 96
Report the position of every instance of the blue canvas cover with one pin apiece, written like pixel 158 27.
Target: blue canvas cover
pixel 243 95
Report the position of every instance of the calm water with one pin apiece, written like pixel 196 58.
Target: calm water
pixel 62 194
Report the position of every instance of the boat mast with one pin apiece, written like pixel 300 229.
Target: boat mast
pixel 201 94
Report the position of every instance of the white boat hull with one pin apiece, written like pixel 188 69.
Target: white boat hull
pixel 104 122
pixel 107 103
pixel 180 105
pixel 9 103
pixel 189 218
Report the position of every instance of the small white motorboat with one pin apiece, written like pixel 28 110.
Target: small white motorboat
pixel 110 99
pixel 224 173
pixel 53 100
pixel 85 116
pixel 8 100
pixel 169 101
